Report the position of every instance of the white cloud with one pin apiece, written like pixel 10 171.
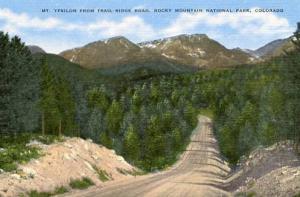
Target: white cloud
pixel 24 21
pixel 258 24
pixel 130 26
pixel 184 23
pixel 53 45
pixel 127 26
pixel 10 28
pixel 242 25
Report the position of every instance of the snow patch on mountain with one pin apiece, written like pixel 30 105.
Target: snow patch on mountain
pixel 169 56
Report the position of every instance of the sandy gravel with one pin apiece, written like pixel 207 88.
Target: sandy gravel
pixel 72 159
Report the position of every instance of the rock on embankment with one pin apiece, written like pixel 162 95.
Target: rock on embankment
pixel 272 171
pixel 72 159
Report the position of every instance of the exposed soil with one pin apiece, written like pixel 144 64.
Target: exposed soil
pixel 272 171
pixel 75 158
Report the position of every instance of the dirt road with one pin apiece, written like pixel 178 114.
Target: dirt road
pixel 199 172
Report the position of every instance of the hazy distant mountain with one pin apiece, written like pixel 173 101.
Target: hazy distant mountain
pixel 35 49
pixel 275 48
pixel 271 49
pixel 194 51
pixel 248 51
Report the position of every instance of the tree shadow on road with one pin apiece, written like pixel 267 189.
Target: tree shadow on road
pixel 215 184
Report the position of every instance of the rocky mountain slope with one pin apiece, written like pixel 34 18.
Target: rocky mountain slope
pixel 274 48
pixel 62 162
pixel 271 49
pixel 194 51
pixel 197 50
pixel 109 53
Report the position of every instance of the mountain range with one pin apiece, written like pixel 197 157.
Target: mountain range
pixel 275 48
pixel 174 54
pixel 193 51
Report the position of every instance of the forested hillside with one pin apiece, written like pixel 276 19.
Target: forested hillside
pixel 148 118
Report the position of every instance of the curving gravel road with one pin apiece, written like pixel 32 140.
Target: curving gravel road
pixel 199 172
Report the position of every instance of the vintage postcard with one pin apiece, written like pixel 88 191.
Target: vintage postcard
pixel 117 98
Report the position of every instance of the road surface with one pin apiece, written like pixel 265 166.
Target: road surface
pixel 199 172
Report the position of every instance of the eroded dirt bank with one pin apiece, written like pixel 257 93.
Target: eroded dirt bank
pixel 272 171
pixel 73 159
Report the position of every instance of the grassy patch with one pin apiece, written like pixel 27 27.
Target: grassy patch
pixel 102 174
pixel 60 190
pixel 131 172
pixel 83 183
pixel 13 149
pixel 245 194
pixel 206 112
pixel 251 194
pixel 17 153
pixel 137 172
pixel 35 193
pixel 57 191
pixel 7 165
pixel 47 139
pixel 122 171
pixel 250 184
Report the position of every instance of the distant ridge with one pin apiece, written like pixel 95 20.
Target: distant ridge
pixel 275 48
pixel 191 51
pixel 35 49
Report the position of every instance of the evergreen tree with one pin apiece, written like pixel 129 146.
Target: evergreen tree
pixel 19 86
pixel 131 144
pixel 176 138
pixel 98 98
pixel 296 40
pixel 105 140
pixel 66 106
pixel 154 143
pixel 51 114
pixel 114 117
pixel 293 87
pixel 95 125
pixel 4 83
pixel 154 93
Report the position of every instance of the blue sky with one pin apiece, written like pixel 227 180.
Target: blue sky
pixel 56 32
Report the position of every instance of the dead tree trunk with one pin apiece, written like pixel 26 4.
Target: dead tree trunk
pixel 59 130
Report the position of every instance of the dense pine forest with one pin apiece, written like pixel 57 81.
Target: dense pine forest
pixel 148 117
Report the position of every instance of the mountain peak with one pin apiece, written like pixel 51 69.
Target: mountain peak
pixel 116 39
pixel 190 36
pixel 35 49
pixel 107 53
pixel 270 48
pixel 195 51
pixel 112 40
